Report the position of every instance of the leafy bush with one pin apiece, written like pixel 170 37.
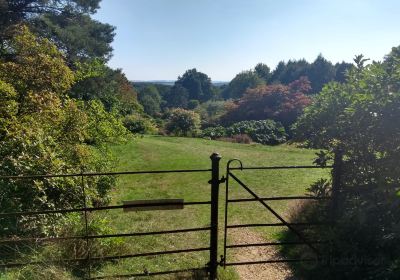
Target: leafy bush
pixel 214 132
pixel 183 122
pixel 359 118
pixel 73 141
pixel 51 134
pixel 266 132
pixel 139 124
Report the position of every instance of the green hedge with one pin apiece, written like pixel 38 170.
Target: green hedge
pixel 267 132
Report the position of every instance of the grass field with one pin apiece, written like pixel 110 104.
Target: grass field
pixel 158 153
pixel 161 153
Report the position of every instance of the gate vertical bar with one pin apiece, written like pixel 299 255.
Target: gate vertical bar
pixel 88 263
pixel 226 214
pixel 213 264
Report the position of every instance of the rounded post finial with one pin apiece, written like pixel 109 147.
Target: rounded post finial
pixel 215 156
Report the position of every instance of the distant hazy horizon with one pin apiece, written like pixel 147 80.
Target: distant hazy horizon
pixel 160 40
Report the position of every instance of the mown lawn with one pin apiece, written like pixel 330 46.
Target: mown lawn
pixel 159 153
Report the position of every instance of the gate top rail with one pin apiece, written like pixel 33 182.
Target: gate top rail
pixel 279 167
pixel 92 174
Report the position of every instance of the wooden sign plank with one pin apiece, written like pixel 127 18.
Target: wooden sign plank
pixel 152 204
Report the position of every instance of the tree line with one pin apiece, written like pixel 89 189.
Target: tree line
pixel 194 87
pixel 257 94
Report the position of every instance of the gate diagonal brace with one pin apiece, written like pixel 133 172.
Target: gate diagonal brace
pixel 275 213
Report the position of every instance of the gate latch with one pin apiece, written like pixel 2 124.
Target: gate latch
pixel 222 180
pixel 222 261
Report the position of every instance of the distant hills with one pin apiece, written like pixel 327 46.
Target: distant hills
pixel 171 82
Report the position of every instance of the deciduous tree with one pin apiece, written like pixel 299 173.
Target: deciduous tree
pixel 242 81
pixel 278 102
pixel 44 131
pixel 198 85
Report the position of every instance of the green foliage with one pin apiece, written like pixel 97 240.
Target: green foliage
pixel 102 127
pixel 183 122
pixel 243 81
pixel 45 132
pixel 150 99
pixel 48 257
pixel 319 72
pixel 197 84
pixel 360 118
pixel 192 86
pixel 66 23
pixel 37 65
pixel 38 272
pixel 8 108
pixel 80 36
pixel 210 111
pixel 89 69
pixel 214 132
pixel 109 86
pixel 75 226
pixel 193 104
pixel 178 97
pixel 320 123
pixel 139 124
pixel 266 132
pixel 341 70
pixel 263 71
pixel 70 140
pixel 290 71
pixel 320 188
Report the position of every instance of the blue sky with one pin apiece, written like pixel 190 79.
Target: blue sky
pixel 160 39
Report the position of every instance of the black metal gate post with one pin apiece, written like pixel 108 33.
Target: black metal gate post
pixel 215 181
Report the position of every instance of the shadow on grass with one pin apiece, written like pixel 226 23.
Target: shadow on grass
pixel 353 248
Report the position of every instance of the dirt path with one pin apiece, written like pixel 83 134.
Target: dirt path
pixel 277 271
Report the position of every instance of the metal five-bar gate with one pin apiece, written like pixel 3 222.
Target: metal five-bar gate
pixel 265 202
pixel 164 204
